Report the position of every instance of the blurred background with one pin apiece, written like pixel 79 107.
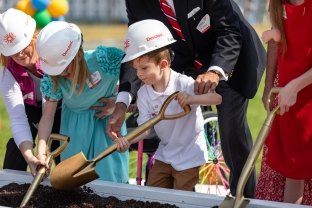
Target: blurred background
pixel 107 12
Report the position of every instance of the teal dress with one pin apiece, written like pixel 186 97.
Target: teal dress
pixel 87 132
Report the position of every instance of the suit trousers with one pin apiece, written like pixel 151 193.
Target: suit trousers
pixel 236 139
pixel 13 158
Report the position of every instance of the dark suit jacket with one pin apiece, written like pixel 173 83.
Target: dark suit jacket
pixel 230 43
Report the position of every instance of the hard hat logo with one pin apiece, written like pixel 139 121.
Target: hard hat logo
pixel 68 48
pixel 154 37
pixel 126 44
pixel 9 38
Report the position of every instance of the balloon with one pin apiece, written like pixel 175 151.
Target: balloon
pixel 62 18
pixel 58 8
pixel 42 18
pixel 40 4
pixel 25 6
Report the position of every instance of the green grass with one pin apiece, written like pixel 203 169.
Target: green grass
pixel 113 35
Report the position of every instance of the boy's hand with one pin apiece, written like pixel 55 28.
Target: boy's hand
pixel 122 144
pixel 183 99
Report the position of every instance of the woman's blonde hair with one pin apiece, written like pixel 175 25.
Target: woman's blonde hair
pixel 4 59
pixel 80 74
pixel 277 18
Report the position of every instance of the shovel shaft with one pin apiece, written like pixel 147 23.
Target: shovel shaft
pixel 255 151
pixel 132 135
pixel 251 160
pixel 33 186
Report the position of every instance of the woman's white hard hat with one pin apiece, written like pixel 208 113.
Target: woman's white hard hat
pixel 57 45
pixel 16 31
pixel 145 36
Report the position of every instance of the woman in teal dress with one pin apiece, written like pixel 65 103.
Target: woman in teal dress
pixel 80 78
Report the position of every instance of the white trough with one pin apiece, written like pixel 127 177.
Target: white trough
pixel 183 199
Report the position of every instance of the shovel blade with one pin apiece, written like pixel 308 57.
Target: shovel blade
pixel 73 172
pixel 230 202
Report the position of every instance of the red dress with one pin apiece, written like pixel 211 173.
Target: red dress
pixel 290 139
pixel 288 151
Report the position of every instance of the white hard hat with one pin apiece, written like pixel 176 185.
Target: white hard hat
pixel 16 31
pixel 57 45
pixel 145 36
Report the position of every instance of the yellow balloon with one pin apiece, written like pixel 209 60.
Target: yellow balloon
pixel 25 6
pixel 58 8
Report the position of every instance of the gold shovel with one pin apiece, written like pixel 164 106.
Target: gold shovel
pixel 40 174
pixel 77 170
pixel 239 201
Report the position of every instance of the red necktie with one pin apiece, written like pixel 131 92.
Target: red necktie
pixel 171 18
pixel 165 7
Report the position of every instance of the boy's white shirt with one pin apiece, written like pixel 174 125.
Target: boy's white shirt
pixel 182 142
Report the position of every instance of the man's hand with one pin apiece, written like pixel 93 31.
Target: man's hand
pixel 116 120
pixel 206 82
pixel 107 108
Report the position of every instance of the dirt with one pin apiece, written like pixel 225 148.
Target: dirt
pixel 11 195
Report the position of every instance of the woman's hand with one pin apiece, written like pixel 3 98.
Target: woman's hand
pixel 287 97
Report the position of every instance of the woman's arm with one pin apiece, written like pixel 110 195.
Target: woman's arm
pixel 14 102
pixel 270 70
pixel 13 99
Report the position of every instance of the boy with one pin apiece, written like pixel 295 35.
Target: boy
pixel 182 149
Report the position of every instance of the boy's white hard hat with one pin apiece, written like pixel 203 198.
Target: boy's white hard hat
pixel 57 45
pixel 16 31
pixel 145 36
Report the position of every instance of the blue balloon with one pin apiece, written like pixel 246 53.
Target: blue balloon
pixel 40 4
pixel 62 18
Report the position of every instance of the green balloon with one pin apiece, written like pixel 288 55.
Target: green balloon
pixel 42 18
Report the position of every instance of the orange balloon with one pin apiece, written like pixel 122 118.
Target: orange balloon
pixel 58 8
pixel 25 6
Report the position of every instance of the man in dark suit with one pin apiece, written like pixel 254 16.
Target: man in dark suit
pixel 223 53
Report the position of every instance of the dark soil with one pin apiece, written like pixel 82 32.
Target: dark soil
pixel 12 195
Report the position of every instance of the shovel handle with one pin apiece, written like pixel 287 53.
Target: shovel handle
pixel 186 108
pixel 255 150
pixel 148 124
pixel 60 149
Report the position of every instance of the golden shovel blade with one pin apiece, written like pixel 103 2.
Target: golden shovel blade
pixel 76 168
